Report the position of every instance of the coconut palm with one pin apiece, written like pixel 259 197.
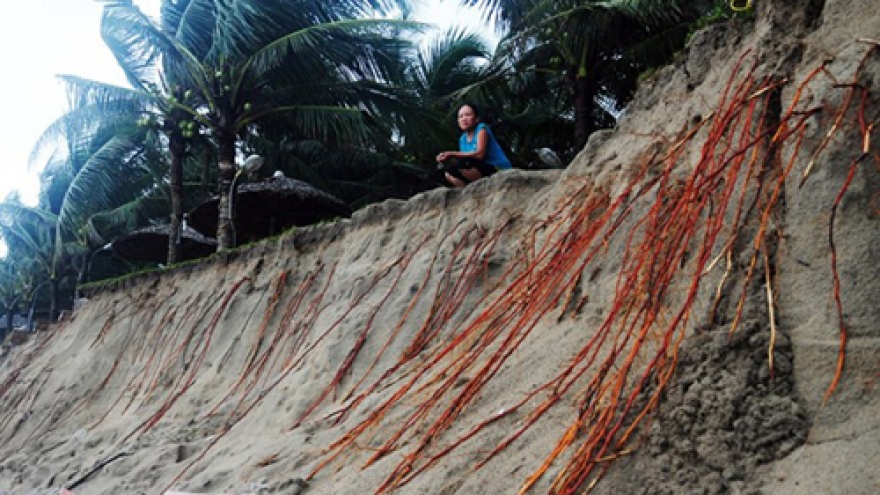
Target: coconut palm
pixel 321 69
pixel 596 47
pixel 163 109
pixel 454 60
pixel 12 288
pixel 132 165
pixel 428 78
pixel 357 176
pixel 15 265
pixel 29 233
pixel 108 180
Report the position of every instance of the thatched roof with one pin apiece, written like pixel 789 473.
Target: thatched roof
pixel 267 208
pixel 151 244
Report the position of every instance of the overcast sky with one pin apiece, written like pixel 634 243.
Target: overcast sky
pixel 40 39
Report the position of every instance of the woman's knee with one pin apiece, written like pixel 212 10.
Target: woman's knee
pixel 471 174
pixel 455 181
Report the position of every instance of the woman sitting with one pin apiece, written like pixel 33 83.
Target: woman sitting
pixel 479 153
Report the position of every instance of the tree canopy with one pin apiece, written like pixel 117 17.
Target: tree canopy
pixel 342 95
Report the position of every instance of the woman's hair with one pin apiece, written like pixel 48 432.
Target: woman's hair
pixel 473 107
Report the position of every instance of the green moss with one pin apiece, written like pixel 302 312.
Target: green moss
pixel 721 13
pixel 112 282
pixel 109 283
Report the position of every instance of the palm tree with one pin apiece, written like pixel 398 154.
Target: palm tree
pixel 29 235
pixel 15 266
pixel 526 108
pixel 321 69
pixel 108 180
pixel 452 61
pixel 164 109
pixel 107 115
pixel 11 289
pixel 596 47
pixel 356 175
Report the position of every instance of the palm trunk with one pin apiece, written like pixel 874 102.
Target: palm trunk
pixel 55 301
pixel 206 172
pixel 8 328
pixel 226 165
pixel 85 266
pixel 584 100
pixel 177 148
pixel 54 298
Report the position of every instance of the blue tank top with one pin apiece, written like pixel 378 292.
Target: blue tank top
pixel 494 154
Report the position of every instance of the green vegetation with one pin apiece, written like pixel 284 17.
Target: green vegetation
pixel 332 93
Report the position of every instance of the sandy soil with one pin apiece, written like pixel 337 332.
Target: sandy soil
pixel 664 316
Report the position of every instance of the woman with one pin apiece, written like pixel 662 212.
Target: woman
pixel 479 153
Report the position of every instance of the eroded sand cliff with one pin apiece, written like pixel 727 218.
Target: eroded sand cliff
pixel 665 316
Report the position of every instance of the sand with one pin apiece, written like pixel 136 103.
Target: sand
pixel 606 327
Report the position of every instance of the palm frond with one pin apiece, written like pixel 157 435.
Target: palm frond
pixel 148 55
pixel 191 23
pixel 93 104
pixel 94 187
pixel 344 44
pixel 28 229
pixel 324 122
pixel 136 213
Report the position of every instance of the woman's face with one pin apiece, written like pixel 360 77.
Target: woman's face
pixel 467 119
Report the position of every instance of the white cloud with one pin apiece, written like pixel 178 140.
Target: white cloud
pixel 445 14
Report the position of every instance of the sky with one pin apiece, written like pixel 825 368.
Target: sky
pixel 40 39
